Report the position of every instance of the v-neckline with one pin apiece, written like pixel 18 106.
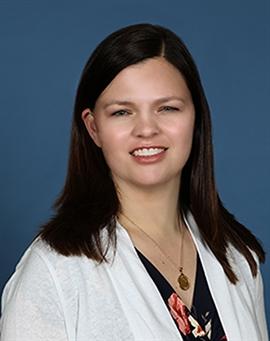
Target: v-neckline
pixel 140 254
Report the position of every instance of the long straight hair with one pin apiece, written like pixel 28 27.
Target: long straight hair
pixel 89 203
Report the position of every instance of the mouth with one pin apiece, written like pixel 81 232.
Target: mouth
pixel 147 151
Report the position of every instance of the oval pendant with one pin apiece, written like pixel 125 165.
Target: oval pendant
pixel 183 282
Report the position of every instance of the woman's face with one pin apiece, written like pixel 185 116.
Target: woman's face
pixel 143 122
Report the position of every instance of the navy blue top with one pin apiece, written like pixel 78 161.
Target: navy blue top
pixel 201 322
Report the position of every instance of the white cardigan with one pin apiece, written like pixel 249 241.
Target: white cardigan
pixel 51 297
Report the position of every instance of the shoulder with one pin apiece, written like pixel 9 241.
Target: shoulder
pixel 39 259
pixel 43 291
pixel 242 269
pixel 43 274
pixel 250 286
pixel 40 296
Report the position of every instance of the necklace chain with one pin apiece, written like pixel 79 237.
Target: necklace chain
pixel 182 279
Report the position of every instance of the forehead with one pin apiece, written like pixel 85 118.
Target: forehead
pixel 150 79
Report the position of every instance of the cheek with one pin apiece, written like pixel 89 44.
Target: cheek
pixel 113 142
pixel 182 132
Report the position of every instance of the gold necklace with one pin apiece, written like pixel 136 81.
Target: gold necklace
pixel 182 279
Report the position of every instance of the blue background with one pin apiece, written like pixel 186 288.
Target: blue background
pixel 44 45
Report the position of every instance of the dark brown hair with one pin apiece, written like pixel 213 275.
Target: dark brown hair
pixel 89 203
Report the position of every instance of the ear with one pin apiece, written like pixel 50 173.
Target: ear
pixel 90 124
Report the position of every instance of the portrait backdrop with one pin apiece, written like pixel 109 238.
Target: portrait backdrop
pixel 44 46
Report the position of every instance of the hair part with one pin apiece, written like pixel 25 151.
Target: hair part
pixel 89 203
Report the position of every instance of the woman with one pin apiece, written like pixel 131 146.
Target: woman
pixel 140 247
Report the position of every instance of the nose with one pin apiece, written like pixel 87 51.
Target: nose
pixel 146 125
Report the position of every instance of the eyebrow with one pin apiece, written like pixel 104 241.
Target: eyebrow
pixel 157 101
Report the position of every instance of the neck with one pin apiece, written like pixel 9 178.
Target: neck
pixel 156 211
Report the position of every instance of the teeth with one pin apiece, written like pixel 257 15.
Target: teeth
pixel 147 151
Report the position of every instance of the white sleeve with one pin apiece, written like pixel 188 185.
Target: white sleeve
pixel 259 304
pixel 31 304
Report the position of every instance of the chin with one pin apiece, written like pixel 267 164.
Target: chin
pixel 154 183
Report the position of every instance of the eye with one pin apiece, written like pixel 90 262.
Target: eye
pixel 120 113
pixel 168 108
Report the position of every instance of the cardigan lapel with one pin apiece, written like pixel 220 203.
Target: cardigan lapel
pixel 228 298
pixel 143 306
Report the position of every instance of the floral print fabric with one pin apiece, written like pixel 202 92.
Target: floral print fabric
pixel 187 324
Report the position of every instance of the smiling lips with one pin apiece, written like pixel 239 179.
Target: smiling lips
pixel 147 151
pixel 148 154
